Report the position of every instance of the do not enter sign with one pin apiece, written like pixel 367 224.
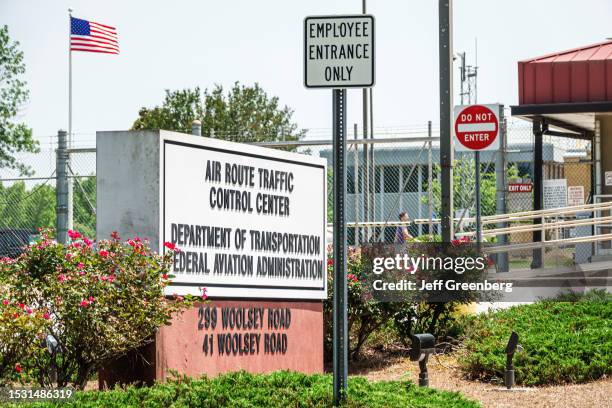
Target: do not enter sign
pixel 476 127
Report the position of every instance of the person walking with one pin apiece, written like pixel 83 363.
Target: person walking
pixel 402 235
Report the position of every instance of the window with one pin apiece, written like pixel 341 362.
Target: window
pixel 424 176
pixel 391 179
pixel 524 170
pixel 377 180
pixel 389 235
pixel 350 180
pixel 413 229
pixel 375 234
pixel 490 167
pixel 350 236
pixel 411 180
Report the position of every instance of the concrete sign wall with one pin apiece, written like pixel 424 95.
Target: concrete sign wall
pixel 250 223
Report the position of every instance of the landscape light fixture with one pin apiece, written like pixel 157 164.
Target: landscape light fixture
pixel 423 345
pixel 511 348
pixel 53 347
pixel 51 343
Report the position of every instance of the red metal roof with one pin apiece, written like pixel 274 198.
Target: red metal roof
pixel 574 76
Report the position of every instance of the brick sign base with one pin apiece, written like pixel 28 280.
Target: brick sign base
pixel 228 335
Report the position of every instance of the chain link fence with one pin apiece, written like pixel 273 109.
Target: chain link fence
pixel 82 177
pixel 567 173
pixel 397 172
pixel 28 202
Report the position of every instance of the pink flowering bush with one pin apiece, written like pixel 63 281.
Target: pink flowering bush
pixel 96 302
pixel 366 314
pixel 20 328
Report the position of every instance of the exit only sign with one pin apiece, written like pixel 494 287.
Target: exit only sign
pixel 520 188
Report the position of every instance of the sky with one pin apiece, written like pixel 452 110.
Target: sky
pixel 188 43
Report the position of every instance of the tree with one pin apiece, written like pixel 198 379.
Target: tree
pixel 35 208
pixel 84 203
pixel 464 190
pixel 245 114
pixel 14 137
pixel 27 209
pixel 178 111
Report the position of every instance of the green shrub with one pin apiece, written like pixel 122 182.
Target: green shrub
pixel 279 389
pixel 398 316
pixel 564 342
pixel 434 311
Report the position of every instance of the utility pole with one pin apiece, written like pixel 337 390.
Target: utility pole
pixel 445 9
pixel 461 76
pixel 500 188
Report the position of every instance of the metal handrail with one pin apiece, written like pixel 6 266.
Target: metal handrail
pixel 542 244
pixel 538 227
pixel 525 215
pixel 552 212
pixel 325 142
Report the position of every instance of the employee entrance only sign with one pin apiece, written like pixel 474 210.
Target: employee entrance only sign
pixel 339 51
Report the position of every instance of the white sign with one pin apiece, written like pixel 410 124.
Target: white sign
pixel 249 222
pixel 555 193
pixel 575 195
pixel 476 127
pixel 339 51
pixel 608 178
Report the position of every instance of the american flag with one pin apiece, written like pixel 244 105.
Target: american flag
pixel 92 37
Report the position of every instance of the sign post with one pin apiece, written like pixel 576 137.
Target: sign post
pixel 339 54
pixel 476 129
pixel 340 332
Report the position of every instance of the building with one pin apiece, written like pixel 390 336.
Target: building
pixel 400 181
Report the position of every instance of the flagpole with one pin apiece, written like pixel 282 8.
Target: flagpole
pixel 69 78
pixel 70 197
